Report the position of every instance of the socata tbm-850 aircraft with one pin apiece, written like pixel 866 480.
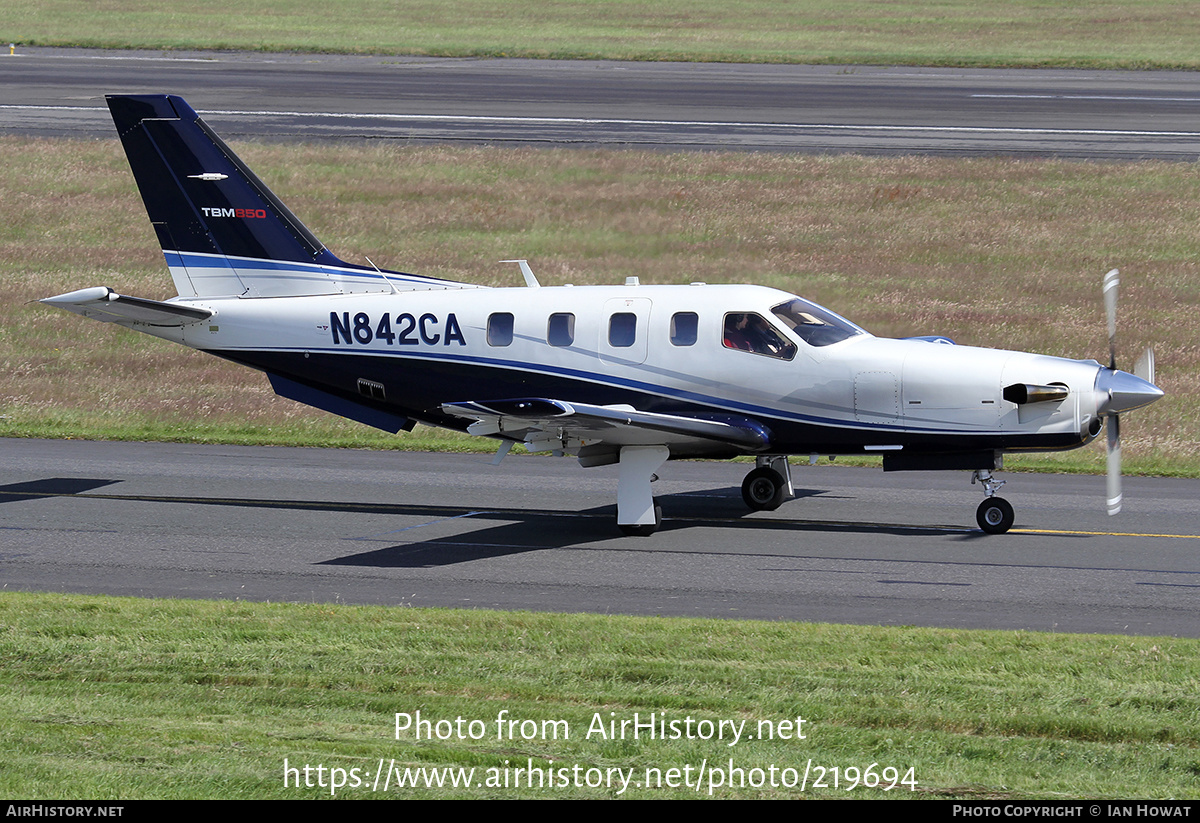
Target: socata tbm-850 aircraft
pixel 626 374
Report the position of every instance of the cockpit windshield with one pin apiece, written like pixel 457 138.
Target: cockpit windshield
pixel 815 325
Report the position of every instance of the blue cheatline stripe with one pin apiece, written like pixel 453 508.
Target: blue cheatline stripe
pixel 650 388
pixel 200 260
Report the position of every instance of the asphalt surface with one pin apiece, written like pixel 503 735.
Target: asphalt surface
pixel 856 546
pixel 1065 113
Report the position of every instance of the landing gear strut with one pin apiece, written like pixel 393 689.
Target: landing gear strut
pixel 995 514
pixel 637 515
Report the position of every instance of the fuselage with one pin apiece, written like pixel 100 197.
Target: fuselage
pixel 660 349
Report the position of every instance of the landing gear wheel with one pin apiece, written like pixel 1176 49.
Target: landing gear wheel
pixel 643 530
pixel 995 515
pixel 763 489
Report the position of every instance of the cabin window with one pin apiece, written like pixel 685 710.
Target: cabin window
pixel 500 329
pixel 747 331
pixel 683 328
pixel 622 330
pixel 560 331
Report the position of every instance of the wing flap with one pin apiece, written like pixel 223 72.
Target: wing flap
pixel 103 304
pixel 573 425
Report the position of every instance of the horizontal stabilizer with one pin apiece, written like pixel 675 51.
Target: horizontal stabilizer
pixel 103 304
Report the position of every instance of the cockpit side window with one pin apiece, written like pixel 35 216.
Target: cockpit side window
pixel 815 326
pixel 747 331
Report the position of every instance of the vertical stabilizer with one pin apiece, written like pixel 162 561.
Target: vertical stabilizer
pixel 223 232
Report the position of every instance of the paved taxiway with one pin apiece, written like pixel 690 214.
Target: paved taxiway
pixel 858 546
pixel 868 109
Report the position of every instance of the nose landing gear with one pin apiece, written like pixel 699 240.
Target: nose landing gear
pixel 995 514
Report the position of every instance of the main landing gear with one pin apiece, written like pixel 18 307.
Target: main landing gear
pixel 995 514
pixel 764 489
pixel 637 514
pixel 642 529
pixel 768 484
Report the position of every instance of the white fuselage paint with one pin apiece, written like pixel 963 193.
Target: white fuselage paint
pixel 863 382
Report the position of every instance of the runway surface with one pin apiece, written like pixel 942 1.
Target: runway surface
pixel 1066 113
pixel 857 546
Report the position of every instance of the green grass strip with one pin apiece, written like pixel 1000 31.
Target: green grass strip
pixel 1101 34
pixel 126 698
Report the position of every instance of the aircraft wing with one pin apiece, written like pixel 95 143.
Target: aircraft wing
pixel 103 304
pixel 558 425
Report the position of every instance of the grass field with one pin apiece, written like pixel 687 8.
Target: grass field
pixel 992 252
pixel 129 698
pixel 1101 34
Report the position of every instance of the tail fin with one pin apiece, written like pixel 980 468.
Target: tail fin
pixel 221 229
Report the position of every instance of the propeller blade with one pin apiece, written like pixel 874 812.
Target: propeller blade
pixel 1114 464
pixel 1111 281
pixel 1124 391
pixel 1144 368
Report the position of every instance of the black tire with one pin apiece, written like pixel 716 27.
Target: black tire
pixel 763 489
pixel 995 515
pixel 643 530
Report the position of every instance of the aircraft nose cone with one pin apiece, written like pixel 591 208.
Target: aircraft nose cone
pixel 1121 391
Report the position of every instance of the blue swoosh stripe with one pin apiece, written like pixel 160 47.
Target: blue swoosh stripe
pixel 649 388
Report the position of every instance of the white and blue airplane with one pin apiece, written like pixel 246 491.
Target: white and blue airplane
pixel 627 374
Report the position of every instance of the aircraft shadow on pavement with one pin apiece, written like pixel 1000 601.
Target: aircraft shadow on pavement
pixel 524 531
pixel 518 530
pixel 50 487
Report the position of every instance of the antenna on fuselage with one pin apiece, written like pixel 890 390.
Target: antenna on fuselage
pixel 382 274
pixel 530 280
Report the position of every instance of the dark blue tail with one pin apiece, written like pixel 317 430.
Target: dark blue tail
pixel 222 230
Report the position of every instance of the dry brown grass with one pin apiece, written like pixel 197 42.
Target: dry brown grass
pixel 993 252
